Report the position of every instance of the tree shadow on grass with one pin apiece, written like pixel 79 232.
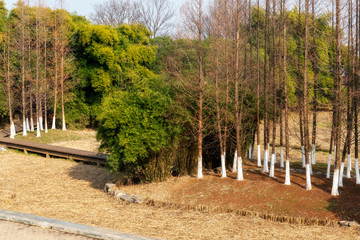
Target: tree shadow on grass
pixel 96 176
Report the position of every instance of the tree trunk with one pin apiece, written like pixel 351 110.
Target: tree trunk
pixel 237 75
pixel 314 57
pixel 201 82
pixel 287 154
pixel 266 149
pixel 23 90
pixel 45 80
pixel 258 88
pixel 56 73
pixel 37 85
pixel 306 116
pixel 218 111
pixel 337 88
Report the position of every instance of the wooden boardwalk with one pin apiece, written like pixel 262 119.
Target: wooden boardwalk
pixel 56 151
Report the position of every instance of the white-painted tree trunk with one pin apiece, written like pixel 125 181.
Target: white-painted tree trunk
pixel 234 168
pixel 311 171
pixel 252 151
pixel 12 135
pixel 303 156
pixel 341 175
pixel 287 173
pixel 53 126
pixel 199 170
pixel 328 167
pixel 63 123
pixel 13 129
pixel 281 157
pixel 335 186
pixel 249 153
pixel 357 171
pixel 223 168
pixel 259 156
pixel 266 167
pixel 46 127
pixel 41 124
pixel 32 128
pixel 27 125
pixel 272 165
pixel 38 129
pixel 308 177
pixel 265 155
pixel 348 167
pixel 24 129
pixel 313 154
pixel 275 156
pixel 240 176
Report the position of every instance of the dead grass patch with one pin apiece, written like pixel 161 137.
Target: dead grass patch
pixel 70 191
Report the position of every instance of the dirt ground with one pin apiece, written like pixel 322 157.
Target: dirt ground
pixel 71 191
pixel 259 193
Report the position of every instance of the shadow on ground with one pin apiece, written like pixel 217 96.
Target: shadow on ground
pixel 96 176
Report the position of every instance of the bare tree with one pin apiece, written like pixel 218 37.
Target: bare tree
pixel 193 21
pixel 356 97
pixel 266 124
pixel 305 99
pixel 156 15
pixel 236 82
pixel 287 154
pixel 337 89
pixel 116 12
pixel 8 80
pixel 55 60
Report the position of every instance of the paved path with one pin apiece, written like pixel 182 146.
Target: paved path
pixel 15 225
pixel 18 231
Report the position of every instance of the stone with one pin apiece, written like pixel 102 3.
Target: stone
pixel 349 224
pixel 127 198
pixel 137 199
pixel 108 187
pixel 119 194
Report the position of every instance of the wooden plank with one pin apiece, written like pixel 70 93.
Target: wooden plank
pixel 50 150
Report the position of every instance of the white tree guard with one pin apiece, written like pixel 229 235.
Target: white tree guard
pixel 259 156
pixel 240 176
pixel 341 175
pixel 348 167
pixel 357 171
pixel 272 165
pixel 234 168
pixel 199 170
pixel 287 173
pixel 335 186
pixel 223 168
pixel 328 166
pixel 308 177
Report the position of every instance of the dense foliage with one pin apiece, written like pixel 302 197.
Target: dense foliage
pixel 141 94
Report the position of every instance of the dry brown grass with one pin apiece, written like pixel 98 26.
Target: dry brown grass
pixel 70 191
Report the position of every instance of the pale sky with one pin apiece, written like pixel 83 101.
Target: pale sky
pixel 82 7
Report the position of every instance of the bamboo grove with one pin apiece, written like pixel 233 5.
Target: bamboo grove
pixel 220 89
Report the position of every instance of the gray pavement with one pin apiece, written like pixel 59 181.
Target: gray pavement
pixel 15 225
pixel 19 231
